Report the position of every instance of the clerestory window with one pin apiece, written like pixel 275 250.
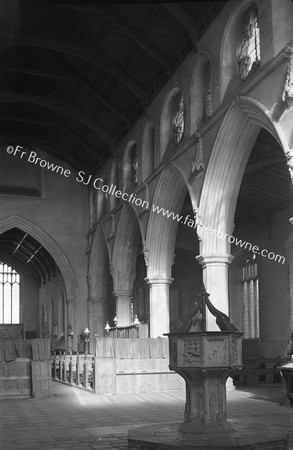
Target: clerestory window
pixel 208 101
pixel 248 51
pixel 134 166
pixel 9 294
pixel 178 120
pixel 250 298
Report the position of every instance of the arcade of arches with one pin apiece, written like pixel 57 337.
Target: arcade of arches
pixel 213 147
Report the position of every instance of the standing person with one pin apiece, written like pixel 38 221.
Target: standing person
pixel 289 349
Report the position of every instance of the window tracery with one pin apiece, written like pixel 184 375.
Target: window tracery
pixel 9 294
pixel 248 51
pixel 134 166
pixel 178 121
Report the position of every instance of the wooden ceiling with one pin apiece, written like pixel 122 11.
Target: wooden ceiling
pixel 75 76
pixel 19 245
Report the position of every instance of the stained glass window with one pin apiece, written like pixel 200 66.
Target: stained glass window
pixel 248 51
pixel 178 121
pixel 9 294
pixel 250 298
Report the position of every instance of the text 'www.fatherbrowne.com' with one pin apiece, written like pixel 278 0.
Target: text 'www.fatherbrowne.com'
pixel 192 223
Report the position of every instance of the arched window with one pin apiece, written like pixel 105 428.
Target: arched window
pixel 134 165
pixel 9 294
pixel 208 100
pixel 106 199
pixel 93 207
pixel 250 298
pixel 248 50
pixel 148 150
pixel 131 167
pixel 115 182
pixel 178 120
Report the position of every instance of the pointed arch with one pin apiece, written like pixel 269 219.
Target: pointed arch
pixel 98 283
pixel 127 241
pixel 98 265
pixel 226 167
pixel 162 230
pixel 50 245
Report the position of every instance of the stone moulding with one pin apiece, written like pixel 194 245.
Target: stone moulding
pixel 198 164
pixel 288 87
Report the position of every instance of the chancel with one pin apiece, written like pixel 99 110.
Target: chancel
pixel 146 151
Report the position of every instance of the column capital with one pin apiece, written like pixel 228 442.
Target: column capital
pixel 159 280
pixel 126 293
pixel 215 259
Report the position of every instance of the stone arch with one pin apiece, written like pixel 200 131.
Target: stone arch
pixel 166 131
pixel 98 272
pixel 50 245
pixel 226 167
pixel 161 233
pixel 198 91
pixel 98 259
pixel 160 245
pixel 127 241
pixel 148 150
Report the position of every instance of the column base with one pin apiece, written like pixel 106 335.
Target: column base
pixel 168 436
pixel 210 428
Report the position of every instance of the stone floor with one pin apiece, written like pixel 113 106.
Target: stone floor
pixel 78 420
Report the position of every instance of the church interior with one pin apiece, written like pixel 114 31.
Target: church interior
pixel 146 183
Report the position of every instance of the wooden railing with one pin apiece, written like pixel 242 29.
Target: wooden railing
pixel 75 370
pixel 261 370
pixel 120 365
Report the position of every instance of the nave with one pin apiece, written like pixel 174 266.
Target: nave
pixel 74 419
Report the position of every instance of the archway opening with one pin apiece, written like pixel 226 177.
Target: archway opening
pixel 127 248
pixel 41 304
pixel 259 279
pixel 186 272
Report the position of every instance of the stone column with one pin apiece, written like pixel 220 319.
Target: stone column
pixel 123 307
pixel 215 278
pixel 159 305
